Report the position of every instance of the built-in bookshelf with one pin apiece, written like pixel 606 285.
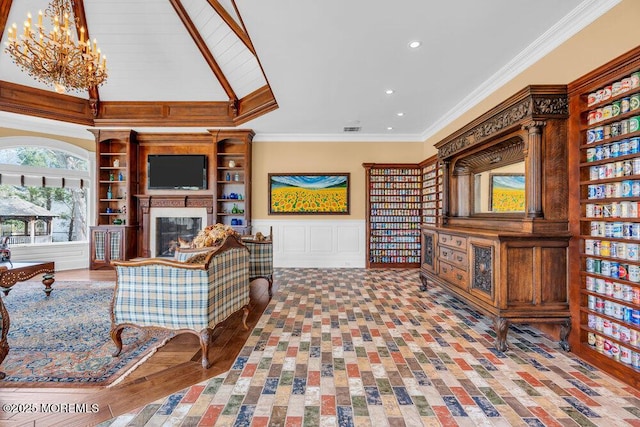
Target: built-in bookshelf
pixel 114 235
pixel 233 179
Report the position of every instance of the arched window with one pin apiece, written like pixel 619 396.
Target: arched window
pixel 43 185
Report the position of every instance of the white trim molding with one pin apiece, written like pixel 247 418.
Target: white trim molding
pixel 581 16
pixel 327 243
pixel 66 255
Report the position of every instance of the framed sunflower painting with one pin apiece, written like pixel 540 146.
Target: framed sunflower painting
pixel 309 193
pixel 506 192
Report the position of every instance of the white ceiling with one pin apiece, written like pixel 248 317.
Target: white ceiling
pixel 328 62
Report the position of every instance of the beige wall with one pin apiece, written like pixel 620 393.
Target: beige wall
pixel 89 144
pixel 310 157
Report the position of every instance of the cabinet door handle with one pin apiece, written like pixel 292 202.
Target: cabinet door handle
pixel 459 276
pixel 459 242
pixel 444 253
pixel 444 269
pixel 459 258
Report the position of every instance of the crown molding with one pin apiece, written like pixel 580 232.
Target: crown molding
pixel 335 137
pixel 581 16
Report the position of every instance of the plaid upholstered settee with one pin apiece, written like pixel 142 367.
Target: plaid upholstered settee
pixel 191 296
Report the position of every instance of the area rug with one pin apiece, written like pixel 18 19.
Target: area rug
pixel 64 338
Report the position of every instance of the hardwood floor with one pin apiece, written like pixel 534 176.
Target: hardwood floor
pixel 173 367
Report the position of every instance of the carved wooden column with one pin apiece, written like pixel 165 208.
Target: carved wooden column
pixel 143 218
pixel 533 168
pixel 445 191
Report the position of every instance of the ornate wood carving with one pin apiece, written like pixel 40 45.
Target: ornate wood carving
pixel 482 269
pixel 533 166
pixel 503 154
pixel 5 323
pixel 530 104
pixel 501 326
pixel 428 249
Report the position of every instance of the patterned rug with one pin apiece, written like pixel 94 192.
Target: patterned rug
pixel 64 338
pixel 355 347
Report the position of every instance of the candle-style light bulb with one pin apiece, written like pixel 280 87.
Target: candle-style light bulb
pixel 40 18
pixel 81 34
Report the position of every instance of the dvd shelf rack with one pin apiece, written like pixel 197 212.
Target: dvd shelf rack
pixel 394 213
pixel 432 187
pixel 605 125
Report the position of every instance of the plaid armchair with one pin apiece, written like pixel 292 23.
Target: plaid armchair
pixel 184 296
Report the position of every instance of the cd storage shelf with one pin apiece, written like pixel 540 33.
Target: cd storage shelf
pixel 394 211
pixel 432 186
pixel 605 126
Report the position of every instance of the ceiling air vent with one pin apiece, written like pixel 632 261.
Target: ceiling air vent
pixel 351 129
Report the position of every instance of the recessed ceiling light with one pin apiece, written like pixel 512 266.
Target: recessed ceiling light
pixel 414 44
pixel 389 128
pixel 400 114
pixel 388 91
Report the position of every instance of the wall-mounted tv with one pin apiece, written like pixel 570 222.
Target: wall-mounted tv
pixel 177 171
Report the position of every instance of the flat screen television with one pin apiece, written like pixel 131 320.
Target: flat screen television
pixel 177 171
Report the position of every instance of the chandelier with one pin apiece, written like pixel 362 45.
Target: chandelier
pixel 55 58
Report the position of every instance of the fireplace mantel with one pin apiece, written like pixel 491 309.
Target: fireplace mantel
pixel 146 202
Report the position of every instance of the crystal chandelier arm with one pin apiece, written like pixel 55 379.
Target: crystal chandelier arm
pixel 82 28
pixel 55 58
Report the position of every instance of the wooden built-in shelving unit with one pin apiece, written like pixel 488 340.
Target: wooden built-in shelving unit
pixel 604 138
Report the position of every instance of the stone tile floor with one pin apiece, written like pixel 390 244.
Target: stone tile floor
pixel 357 347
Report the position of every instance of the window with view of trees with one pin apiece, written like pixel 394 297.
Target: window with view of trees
pixel 43 195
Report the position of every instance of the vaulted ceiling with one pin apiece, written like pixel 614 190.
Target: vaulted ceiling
pixel 170 63
pixel 306 69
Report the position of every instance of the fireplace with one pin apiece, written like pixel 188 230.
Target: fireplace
pixel 170 231
pixel 186 208
pixel 168 225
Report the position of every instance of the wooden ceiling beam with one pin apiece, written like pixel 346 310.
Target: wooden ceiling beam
pixel 5 7
pixel 233 25
pixel 204 49
pixel 78 12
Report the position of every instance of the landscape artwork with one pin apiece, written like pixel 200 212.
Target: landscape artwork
pixel 507 192
pixel 318 193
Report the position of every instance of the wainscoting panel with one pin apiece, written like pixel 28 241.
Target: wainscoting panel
pixel 321 239
pixel 67 256
pixel 316 243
